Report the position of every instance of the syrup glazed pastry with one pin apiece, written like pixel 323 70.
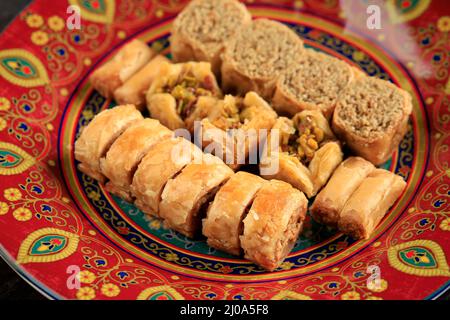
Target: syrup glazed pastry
pixel 125 154
pixel 345 180
pixel 273 224
pixel 173 95
pixel 130 58
pixel 134 89
pixel 255 58
pixel 200 31
pixel 163 161
pixel 313 83
pixel 371 117
pixel 185 196
pixel 249 114
pixel 308 154
pixel 98 136
pixel 369 203
pixel 223 224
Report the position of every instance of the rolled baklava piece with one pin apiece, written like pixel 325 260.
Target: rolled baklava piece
pixel 97 137
pixel 223 223
pixel 111 75
pixel 125 154
pixel 307 153
pixel 172 97
pixel 235 127
pixel 162 162
pixel 367 206
pixel 314 82
pixel 273 224
pixel 329 203
pixel 324 162
pixel 371 117
pixel 186 196
pixel 200 31
pixel 255 58
pixel 134 89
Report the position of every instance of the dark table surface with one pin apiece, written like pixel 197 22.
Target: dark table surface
pixel 11 285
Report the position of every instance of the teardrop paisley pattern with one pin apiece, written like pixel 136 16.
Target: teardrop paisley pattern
pixel 420 257
pixel 101 11
pixel 47 245
pixel 405 10
pixel 290 295
pixel 13 160
pixel 160 293
pixel 22 68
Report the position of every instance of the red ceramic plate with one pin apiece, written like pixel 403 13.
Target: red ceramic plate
pixel 56 222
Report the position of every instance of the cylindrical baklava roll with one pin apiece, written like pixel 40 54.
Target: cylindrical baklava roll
pixel 185 196
pixel 313 83
pixel 98 136
pixel 324 162
pixel 163 161
pixel 111 75
pixel 134 89
pixel 348 176
pixel 369 203
pixel 371 118
pixel 255 58
pixel 223 224
pixel 273 224
pixel 125 154
pixel 200 31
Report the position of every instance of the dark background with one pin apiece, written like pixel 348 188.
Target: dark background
pixel 11 285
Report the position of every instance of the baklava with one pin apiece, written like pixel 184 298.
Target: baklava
pixel 97 137
pixel 125 154
pixel 371 117
pixel 128 60
pixel 273 224
pixel 201 30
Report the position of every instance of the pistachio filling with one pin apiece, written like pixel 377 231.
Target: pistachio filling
pixel 186 89
pixel 233 114
pixel 304 139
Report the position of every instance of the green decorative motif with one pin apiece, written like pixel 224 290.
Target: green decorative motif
pixel 13 160
pixel 48 244
pixel 96 6
pixel 19 67
pixel 22 68
pixel 160 293
pixel 418 257
pixel 8 159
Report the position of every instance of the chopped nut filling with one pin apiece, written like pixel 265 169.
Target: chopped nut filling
pixel 186 89
pixel 303 139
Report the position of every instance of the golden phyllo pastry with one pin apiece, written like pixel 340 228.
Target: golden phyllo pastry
pixel 200 31
pixel 255 58
pixel 134 89
pixel 273 224
pixel 186 196
pixel 232 129
pixel 163 161
pixel 345 180
pixel 125 154
pixel 307 154
pixel 172 97
pixel 98 136
pixel 371 117
pixel 369 203
pixel 111 75
pixel 223 224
